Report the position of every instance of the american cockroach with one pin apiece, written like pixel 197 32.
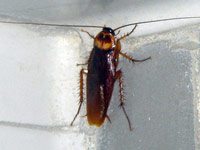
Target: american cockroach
pixel 102 70
pixel 101 75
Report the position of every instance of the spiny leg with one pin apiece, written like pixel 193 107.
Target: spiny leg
pixel 108 118
pixel 124 36
pixel 83 71
pixel 132 59
pixel 121 94
pixel 92 36
pixel 117 33
pixel 127 56
pixel 82 64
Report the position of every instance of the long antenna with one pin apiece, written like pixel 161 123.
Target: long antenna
pixel 49 24
pixel 92 26
pixel 159 20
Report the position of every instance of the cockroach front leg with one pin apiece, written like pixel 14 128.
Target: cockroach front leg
pixel 121 95
pixel 82 72
pixel 127 56
pixel 92 36
pixel 124 36
pixel 132 59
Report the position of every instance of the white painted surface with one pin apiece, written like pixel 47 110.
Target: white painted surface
pixel 38 72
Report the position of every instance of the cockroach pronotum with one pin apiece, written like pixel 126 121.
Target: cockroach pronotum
pixel 102 70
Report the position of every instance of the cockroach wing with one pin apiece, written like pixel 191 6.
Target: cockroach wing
pixel 100 82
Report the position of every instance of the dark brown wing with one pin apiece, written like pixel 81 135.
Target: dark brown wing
pixel 100 83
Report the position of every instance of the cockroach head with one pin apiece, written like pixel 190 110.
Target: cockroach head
pixel 110 30
pixel 105 40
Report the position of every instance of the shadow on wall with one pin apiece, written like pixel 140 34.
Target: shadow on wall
pixel 159 102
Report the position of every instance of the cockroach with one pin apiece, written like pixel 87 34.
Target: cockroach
pixel 101 75
pixel 102 70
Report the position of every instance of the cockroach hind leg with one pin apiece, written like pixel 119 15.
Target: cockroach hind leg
pixel 108 118
pixel 122 99
pixel 82 72
pixel 71 124
pixel 129 122
pixel 84 115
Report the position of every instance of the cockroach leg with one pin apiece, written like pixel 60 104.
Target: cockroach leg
pixel 82 72
pixel 121 94
pixel 129 122
pixel 92 36
pixel 82 64
pixel 128 33
pixel 117 33
pixel 84 115
pixel 132 59
pixel 108 118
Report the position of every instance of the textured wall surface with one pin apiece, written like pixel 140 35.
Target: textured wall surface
pixel 39 91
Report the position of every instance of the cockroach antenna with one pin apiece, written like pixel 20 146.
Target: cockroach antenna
pixel 159 20
pixel 96 26
pixel 50 24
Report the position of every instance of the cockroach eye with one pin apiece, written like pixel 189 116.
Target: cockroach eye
pixel 110 30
